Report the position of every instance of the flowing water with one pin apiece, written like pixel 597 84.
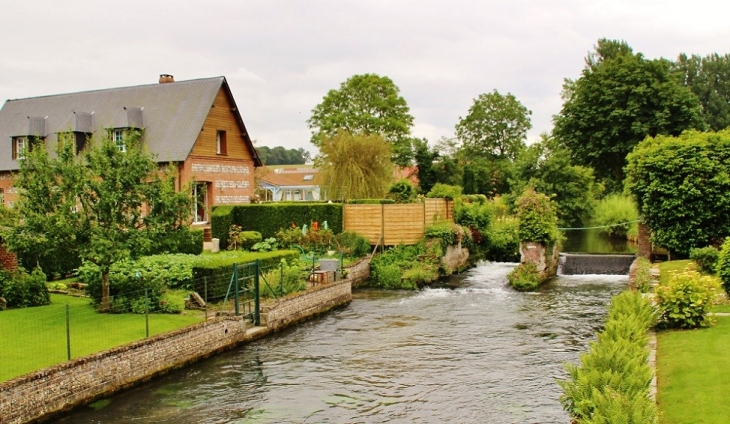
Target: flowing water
pixel 471 351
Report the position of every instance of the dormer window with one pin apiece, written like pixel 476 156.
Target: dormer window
pixel 77 139
pixel 21 145
pixel 118 139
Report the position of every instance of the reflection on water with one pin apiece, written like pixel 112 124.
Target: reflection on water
pixel 471 351
pixel 592 241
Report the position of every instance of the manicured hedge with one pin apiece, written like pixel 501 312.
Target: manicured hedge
pixel 269 218
pixel 371 201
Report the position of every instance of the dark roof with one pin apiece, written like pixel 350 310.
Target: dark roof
pixel 172 115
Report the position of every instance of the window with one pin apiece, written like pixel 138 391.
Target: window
pixel 221 147
pixel 20 147
pixel 118 139
pixel 308 177
pixel 78 140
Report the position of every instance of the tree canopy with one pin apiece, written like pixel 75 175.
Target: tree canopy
pixel 682 188
pixel 281 156
pixel 709 79
pixel 496 126
pixel 365 104
pixel 355 166
pixel 619 99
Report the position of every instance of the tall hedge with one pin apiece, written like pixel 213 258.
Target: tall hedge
pixel 682 188
pixel 268 218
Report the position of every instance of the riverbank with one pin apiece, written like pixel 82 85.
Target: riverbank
pixel 42 394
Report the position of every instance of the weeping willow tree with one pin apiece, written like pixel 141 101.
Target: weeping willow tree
pixel 355 166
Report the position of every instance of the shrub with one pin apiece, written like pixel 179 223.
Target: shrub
pixel 473 215
pixel 524 277
pixel 420 276
pixel 388 268
pixel 615 209
pixel 611 383
pixel 706 258
pixel 642 280
pixel 288 277
pixel 389 277
pixel 450 234
pixel 352 244
pixel 538 222
pixel 266 246
pixel 440 190
pixel 290 236
pixel 21 289
pixel 402 191
pixel 723 265
pixel 503 240
pixel 686 300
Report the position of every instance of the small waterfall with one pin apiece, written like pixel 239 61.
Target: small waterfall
pixel 581 263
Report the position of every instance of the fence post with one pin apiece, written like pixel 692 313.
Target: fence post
pixel 235 294
pixel 146 313
pixel 256 318
pixel 68 333
pixel 205 288
pixel 281 279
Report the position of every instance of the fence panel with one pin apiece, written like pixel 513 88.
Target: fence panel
pixel 366 220
pixel 403 224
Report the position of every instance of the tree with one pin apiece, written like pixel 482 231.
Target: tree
pixel 365 104
pixel 682 188
pixel 424 158
pixel 106 206
pixel 355 166
pixel 546 167
pixel 620 99
pixel 496 126
pixel 280 156
pixel 709 79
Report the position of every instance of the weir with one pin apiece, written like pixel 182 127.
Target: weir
pixel 584 263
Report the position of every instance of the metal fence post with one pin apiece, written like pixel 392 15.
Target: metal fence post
pixel 235 295
pixel 146 313
pixel 281 279
pixel 256 320
pixel 205 288
pixel 68 332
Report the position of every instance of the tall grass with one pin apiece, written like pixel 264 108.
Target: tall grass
pixel 617 211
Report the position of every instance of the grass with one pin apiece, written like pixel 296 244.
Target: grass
pixel 667 269
pixel 693 384
pixel 34 338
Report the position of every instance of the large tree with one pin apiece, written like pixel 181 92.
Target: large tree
pixel 110 204
pixel 496 126
pixel 365 104
pixel 281 156
pixel 619 99
pixel 709 79
pixel 355 166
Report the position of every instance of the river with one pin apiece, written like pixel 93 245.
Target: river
pixel 470 351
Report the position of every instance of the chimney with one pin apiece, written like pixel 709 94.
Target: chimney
pixel 165 78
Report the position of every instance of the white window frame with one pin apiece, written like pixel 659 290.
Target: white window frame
pixel 118 139
pixel 21 146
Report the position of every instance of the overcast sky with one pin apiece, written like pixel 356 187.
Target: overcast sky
pixel 281 57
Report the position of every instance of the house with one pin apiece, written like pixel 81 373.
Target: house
pixel 289 183
pixel 192 125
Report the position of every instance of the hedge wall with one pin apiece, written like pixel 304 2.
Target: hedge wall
pixel 269 218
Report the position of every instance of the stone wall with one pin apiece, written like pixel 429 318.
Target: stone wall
pixel 42 394
pixel 546 261
pixel 359 272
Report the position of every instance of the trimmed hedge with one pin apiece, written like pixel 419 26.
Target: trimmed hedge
pixel 269 218
pixel 371 201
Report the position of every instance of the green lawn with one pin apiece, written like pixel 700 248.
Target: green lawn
pixel 667 269
pixel 34 338
pixel 691 374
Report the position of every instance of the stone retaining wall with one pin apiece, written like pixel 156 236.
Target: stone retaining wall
pixel 42 394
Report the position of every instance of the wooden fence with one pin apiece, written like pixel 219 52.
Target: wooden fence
pixel 394 224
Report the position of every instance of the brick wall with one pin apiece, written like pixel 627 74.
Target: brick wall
pixel 8 260
pixel 44 393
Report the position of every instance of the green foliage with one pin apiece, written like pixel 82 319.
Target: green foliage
pixel 389 276
pixel 402 191
pixel 707 78
pixel 620 99
pixel 473 215
pixel 281 156
pixel 365 104
pixel 706 258
pixel 537 219
pixel 445 191
pixel 611 384
pixel 723 265
pixel 503 240
pixel 288 277
pixel 420 276
pixel 245 240
pixel 686 300
pixel 352 244
pixel 524 277
pixel 270 218
pixel 290 236
pixel 266 246
pixel 370 201
pixel 388 270
pixel 547 167
pixel 355 166
pixel 424 158
pixel 682 188
pixel 615 209
pixel 448 233
pixel 642 280
pixel 496 125
pixel 22 290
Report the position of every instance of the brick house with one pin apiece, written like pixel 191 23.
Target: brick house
pixel 192 125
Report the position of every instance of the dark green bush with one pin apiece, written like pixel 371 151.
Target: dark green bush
pixel 51 262
pixel 473 215
pixel 503 241
pixel 221 220
pixel 706 258
pixel 524 277
pixel 289 277
pixel 388 269
pixel 352 244
pixel 248 239
pixel 440 190
pixel 21 289
pixel 723 265
pixel 402 191
pixel 538 221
